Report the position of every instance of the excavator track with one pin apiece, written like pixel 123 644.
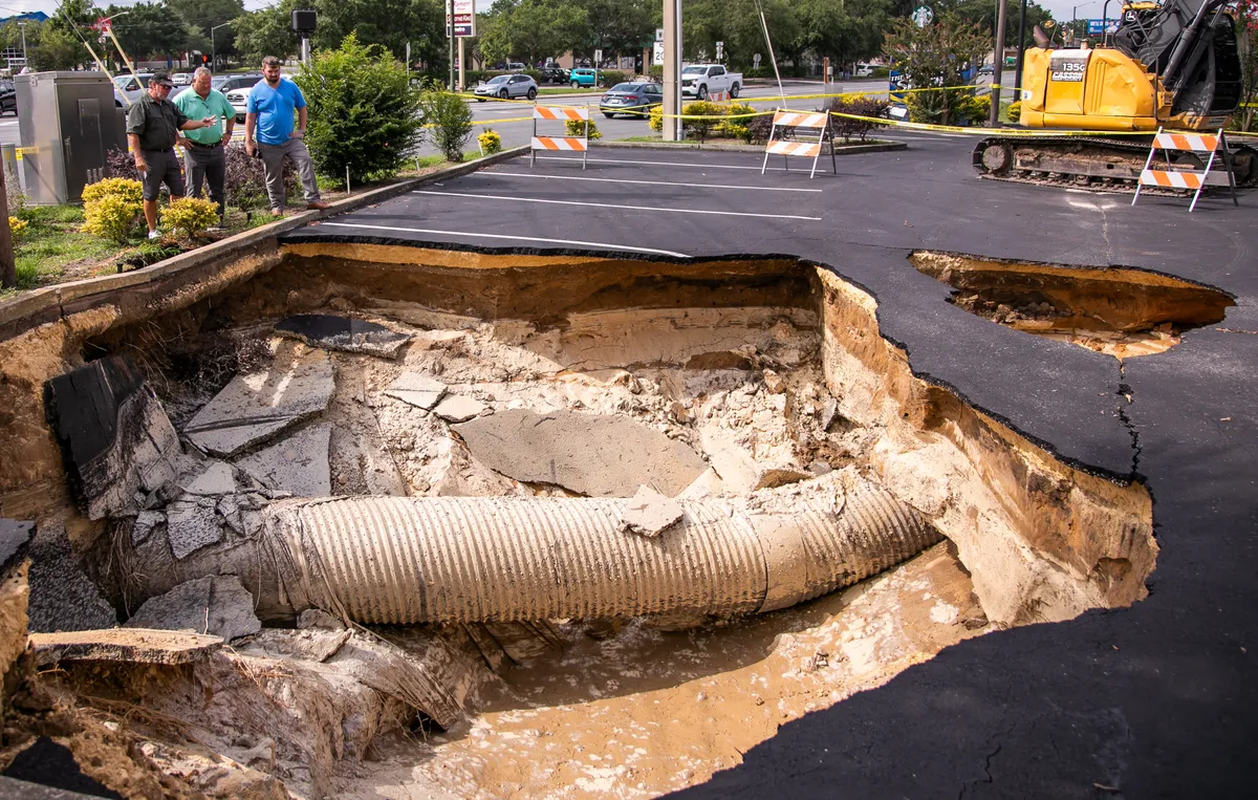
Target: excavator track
pixel 1098 164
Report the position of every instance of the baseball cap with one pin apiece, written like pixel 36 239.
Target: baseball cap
pixel 161 79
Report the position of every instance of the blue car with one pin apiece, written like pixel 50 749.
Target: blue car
pixel 582 77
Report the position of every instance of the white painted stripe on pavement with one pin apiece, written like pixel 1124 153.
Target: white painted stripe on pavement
pixel 615 205
pixel 673 164
pixel 648 183
pixel 606 245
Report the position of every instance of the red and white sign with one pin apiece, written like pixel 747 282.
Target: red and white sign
pixel 464 18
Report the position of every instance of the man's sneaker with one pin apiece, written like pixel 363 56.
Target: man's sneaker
pixel 155 234
pixel 317 205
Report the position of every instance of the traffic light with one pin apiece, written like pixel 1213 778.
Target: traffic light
pixel 205 59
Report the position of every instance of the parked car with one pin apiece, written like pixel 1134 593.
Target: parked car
pixel 700 80
pixel 8 98
pixel 515 66
pixel 553 73
pixel 181 78
pixel 506 86
pixel 237 88
pixel 127 89
pixel 583 77
pixel 987 69
pixel 634 99
pixel 863 71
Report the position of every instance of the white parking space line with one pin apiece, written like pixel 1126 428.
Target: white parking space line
pixel 615 205
pixel 801 168
pixel 603 245
pixel 648 183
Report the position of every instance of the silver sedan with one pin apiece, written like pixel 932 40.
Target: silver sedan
pixel 505 87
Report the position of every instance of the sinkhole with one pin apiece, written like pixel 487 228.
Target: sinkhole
pixel 1119 311
pixel 613 475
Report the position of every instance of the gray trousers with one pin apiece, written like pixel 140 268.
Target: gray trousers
pixel 273 156
pixel 209 165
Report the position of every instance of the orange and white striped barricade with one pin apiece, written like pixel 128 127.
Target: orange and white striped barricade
pixel 1190 180
pixel 576 144
pixel 819 121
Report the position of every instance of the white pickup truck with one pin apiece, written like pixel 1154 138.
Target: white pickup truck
pixel 701 80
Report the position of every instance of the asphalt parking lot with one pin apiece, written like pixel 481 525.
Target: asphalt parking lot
pixel 1156 700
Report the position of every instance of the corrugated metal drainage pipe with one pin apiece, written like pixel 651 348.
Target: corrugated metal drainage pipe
pixel 398 560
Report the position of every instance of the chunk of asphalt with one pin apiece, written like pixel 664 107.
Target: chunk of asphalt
pixel 62 597
pixel 51 764
pixel 417 389
pixel 134 645
pixel 459 409
pixel 116 440
pixel 298 465
pixel 597 456
pixel 344 333
pixel 145 523
pixel 255 407
pixel 14 536
pixel 650 513
pixel 216 479
pixel 192 524
pixel 215 605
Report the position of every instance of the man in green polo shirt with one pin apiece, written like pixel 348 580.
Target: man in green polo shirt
pixel 204 148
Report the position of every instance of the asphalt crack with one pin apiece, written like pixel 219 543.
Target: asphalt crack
pixel 1125 400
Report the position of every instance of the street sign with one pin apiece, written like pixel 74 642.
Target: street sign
pixel 658 57
pixel 720 50
pixel 755 61
pixel 659 34
pixel 464 18
pixel 922 16
pixel 598 58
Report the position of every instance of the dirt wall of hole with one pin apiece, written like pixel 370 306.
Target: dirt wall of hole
pixel 1043 541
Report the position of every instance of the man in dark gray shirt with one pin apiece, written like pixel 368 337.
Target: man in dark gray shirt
pixel 152 127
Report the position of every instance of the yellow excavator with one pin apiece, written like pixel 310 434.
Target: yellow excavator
pixel 1173 64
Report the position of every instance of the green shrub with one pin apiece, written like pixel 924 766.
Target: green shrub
pixel 363 112
pixel 708 118
pixel 736 128
pixel 611 77
pixel 450 120
pixel 576 127
pixel 861 106
pixel 1014 112
pixel 110 207
pixel 971 110
pixel 190 216
pixel 111 217
pixel 490 142
pixel 127 189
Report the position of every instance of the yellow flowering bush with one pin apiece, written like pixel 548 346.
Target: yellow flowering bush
pixel 490 141
pixel 190 216
pixel 576 127
pixel 656 121
pixel 16 226
pixel 125 188
pixel 110 207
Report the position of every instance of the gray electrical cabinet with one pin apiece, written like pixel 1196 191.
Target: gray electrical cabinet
pixel 68 123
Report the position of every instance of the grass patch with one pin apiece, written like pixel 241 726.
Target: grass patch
pixel 52 242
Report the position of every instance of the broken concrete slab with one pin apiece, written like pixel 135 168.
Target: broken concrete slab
pixel 458 408
pixel 650 513
pixel 14 536
pixel 144 525
pixel 216 479
pixel 297 465
pixel 594 455
pixel 255 407
pixel 706 485
pixel 318 618
pixel 344 333
pixel 417 389
pixel 316 644
pixel 215 605
pixel 739 470
pixel 139 645
pixel 192 524
pixel 62 596
pixel 115 437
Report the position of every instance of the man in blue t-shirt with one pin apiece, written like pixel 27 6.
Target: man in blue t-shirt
pixel 270 134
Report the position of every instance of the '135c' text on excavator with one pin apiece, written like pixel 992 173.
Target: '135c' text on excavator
pixel 1173 64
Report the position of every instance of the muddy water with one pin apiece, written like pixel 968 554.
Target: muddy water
pixel 643 711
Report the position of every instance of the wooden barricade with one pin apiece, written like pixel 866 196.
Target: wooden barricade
pixel 579 144
pixel 1190 180
pixel 819 121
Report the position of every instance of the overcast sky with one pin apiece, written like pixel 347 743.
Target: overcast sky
pixel 1063 9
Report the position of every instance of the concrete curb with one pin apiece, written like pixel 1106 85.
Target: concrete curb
pixel 49 303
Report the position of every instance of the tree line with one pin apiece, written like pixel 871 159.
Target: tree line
pixel 512 30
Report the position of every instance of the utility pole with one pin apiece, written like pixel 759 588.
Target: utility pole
pixel 22 25
pixel 8 268
pixel 214 46
pixel 1017 79
pixel 998 67
pixel 673 127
